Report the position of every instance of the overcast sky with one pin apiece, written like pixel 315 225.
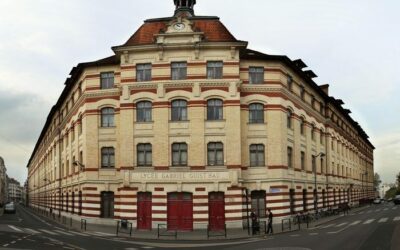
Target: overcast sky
pixel 352 45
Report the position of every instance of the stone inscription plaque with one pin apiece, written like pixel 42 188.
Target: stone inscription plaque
pixel 180 176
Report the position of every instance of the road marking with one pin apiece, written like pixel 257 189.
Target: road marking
pixel 313 233
pixel 377 210
pixel 341 224
pixel 81 234
pixel 32 231
pixel 369 211
pixel 102 234
pixel 62 232
pixel 360 212
pixel 382 220
pixel 396 218
pixel 394 208
pixel 47 231
pixel 295 235
pixel 147 247
pixel 327 226
pixel 385 209
pixel 5 245
pixel 368 221
pixel 13 242
pixel 14 228
pixel 355 223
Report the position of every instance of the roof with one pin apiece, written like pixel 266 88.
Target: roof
pixel 297 67
pixel 214 30
pixel 69 84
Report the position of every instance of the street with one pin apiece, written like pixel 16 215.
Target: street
pixel 376 227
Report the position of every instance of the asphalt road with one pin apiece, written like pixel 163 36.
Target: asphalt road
pixel 377 227
pixel 25 230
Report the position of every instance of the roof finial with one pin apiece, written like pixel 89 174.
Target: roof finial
pixel 184 6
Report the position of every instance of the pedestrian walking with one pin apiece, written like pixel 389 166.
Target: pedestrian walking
pixel 254 222
pixel 269 228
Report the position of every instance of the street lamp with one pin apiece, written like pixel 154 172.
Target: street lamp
pixel 315 180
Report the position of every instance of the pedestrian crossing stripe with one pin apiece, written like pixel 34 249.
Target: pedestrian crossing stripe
pixel 382 220
pixel 15 228
pixel 341 224
pixel 47 231
pixel 31 231
pixel 369 221
pixel 62 232
pixel 396 218
pixel 355 223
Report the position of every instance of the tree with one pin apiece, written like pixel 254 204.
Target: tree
pixel 377 181
pixel 398 181
pixel 391 193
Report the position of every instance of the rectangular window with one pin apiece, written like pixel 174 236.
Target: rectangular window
pixel 143 72
pixel 256 75
pixel 144 155
pixel 214 110
pixel 107 80
pixel 215 154
pixel 290 157
pixel 303 161
pixel 256 113
pixel 179 154
pixel 314 164
pixel 179 70
pixel 257 155
pixel 215 70
pixel 290 82
pixel 107 157
pixel 179 110
pixel 144 111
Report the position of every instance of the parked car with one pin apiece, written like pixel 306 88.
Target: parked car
pixel 396 200
pixel 10 208
pixel 377 201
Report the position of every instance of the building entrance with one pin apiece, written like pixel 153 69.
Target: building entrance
pixel 216 211
pixel 180 211
pixel 144 211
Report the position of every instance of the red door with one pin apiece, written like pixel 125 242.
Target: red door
pixel 144 211
pixel 180 211
pixel 216 211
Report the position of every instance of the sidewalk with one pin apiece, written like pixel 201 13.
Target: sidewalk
pixel 196 235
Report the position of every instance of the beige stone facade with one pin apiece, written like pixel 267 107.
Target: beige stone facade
pixel 66 173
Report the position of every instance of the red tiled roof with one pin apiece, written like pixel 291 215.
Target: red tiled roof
pixel 214 31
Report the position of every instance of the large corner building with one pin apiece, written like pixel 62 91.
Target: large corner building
pixel 184 125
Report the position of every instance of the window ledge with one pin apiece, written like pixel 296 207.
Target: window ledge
pixel 150 122
pixel 181 121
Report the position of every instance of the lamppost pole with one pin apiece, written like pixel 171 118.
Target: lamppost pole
pixel 315 180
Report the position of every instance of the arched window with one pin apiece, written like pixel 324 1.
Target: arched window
pixel 256 113
pixel 179 110
pixel 289 115
pixel 107 117
pixel 214 109
pixel 143 111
